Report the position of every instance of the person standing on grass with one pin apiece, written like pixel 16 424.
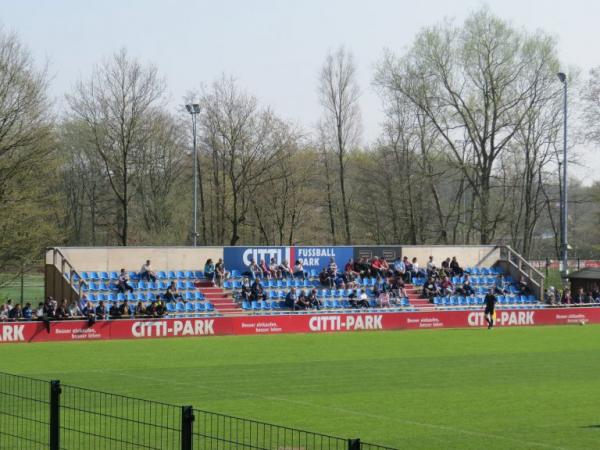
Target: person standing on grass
pixel 490 308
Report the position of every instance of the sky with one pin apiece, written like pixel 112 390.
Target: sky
pixel 274 48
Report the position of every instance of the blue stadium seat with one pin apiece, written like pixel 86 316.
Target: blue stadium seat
pixel 111 297
pixel 255 306
pixel 161 275
pixel 180 275
pixel 120 297
pixel 246 305
pixel 189 274
pixel 91 297
pixel 199 307
pixel 130 297
pixel 140 297
pixel 265 305
pixel 142 285
pixel 189 307
pixel 133 275
pixel 180 285
pixel 314 273
pixel 235 274
pixel 209 307
pixel 180 307
pixel 198 295
pixel 101 297
pixel 104 276
pixel 171 275
pixel 152 286
pixel 190 285
pixel 163 285
pixel 93 286
pixel 171 308
pixel 198 274
pixel 189 296
pixel 93 276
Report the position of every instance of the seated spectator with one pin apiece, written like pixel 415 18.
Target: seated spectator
pixel 101 311
pixel 446 286
pixel 359 301
pixel 362 267
pixel 398 287
pixel 326 279
pixel 123 283
pixel 124 309
pixel 408 274
pixel 430 289
pixel 291 298
pixel 161 308
pixel 209 271
pixel 274 269
pixel 381 285
pixel 245 293
pixel 455 268
pixel 467 289
pixel 499 285
pixel 416 271
pixel 340 283
pixel 265 269
pixel 299 270
pixel 4 312
pixel 579 297
pixel 172 293
pixel 154 309
pixel 523 287
pixel 257 291
pixel 15 313
pixel 220 272
pixel 27 311
pixel 313 300
pixel 446 267
pixel 349 271
pixel 74 310
pixel 376 268
pixel 49 308
pixel 431 269
pixel 385 267
pixel 285 269
pixel 147 273
pixel 566 297
pixel 114 311
pixel 589 298
pixel 140 310
pixel 9 304
pixel 302 302
pixel 38 314
pixel 383 299
pixel 253 270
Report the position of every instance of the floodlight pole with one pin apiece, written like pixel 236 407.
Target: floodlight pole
pixel 194 109
pixel 565 194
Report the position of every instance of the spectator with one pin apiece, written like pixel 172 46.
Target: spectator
pixel 209 271
pixel 430 289
pixel 416 271
pixel 114 311
pixel 62 311
pixel 302 302
pixel 27 311
pixel 446 286
pixel 398 267
pixel 9 304
pixel 362 267
pixel 589 298
pixel 376 268
pixel 140 310
pixel 124 310
pixel 220 272
pixel 431 269
pixel 265 269
pixel 4 312
pixel 253 270
pixel 15 313
pixel 566 297
pixel 383 299
pixel 523 287
pixel 257 291
pixel 49 308
pixel 172 293
pixel 299 270
pixel 285 269
pixel 147 273
pixel 123 283
pixel 332 267
pixel 153 309
pixel 313 300
pixel 349 271
pixel 274 269
pixel 385 267
pixel 455 267
pixel 74 309
pixel 161 308
pixel 101 311
pixel 579 297
pixel 326 279
pixel 245 293
pixel 467 289
pixel 551 296
pixel 291 299
pixel 38 314
pixel 398 287
pixel 499 285
pixel 381 285
pixel 363 300
pixel 446 266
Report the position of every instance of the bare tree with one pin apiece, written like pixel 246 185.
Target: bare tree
pixel 339 95
pixel 116 104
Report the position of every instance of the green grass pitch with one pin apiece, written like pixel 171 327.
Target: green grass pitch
pixel 509 388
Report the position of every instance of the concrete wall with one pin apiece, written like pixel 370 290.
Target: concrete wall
pixel 131 258
pixel 468 256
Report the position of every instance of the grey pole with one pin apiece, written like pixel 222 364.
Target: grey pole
pixel 565 197
pixel 194 109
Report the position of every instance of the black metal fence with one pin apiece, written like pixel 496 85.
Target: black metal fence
pixel 37 414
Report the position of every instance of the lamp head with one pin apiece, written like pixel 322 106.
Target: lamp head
pixel 562 77
pixel 189 108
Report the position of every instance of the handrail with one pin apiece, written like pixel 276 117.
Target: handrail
pixel 65 262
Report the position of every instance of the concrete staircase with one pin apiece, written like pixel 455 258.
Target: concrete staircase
pixel 220 298
pixel 414 297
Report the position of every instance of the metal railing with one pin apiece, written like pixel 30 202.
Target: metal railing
pixel 519 266
pixel 37 414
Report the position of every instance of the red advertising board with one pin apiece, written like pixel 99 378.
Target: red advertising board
pixel 277 324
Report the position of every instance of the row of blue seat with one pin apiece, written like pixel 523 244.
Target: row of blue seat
pixel 189 307
pixel 327 304
pixel 138 297
pixel 479 300
pixel 143 285
pixel 161 275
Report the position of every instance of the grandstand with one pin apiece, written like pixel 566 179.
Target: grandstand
pixel 92 274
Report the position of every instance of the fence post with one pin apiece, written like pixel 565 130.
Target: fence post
pixel 55 391
pixel 187 421
pixel 353 444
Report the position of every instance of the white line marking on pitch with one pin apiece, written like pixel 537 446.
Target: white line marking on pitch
pixel 344 410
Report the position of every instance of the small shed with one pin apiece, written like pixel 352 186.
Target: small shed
pixel 588 279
